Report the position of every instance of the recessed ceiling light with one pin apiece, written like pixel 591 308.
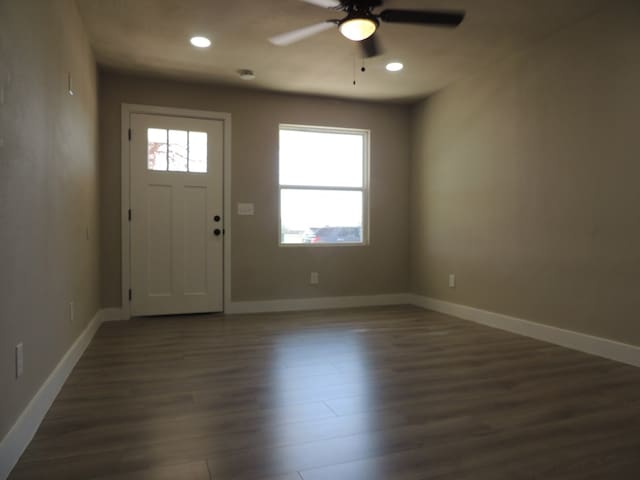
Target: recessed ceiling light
pixel 200 42
pixel 394 66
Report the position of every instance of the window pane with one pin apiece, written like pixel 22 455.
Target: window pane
pixel 157 149
pixel 178 148
pixel 321 158
pixel 321 216
pixel 198 152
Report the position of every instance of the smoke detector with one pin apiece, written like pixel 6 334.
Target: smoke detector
pixel 246 74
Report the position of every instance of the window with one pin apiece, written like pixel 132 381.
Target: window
pixel 176 150
pixel 323 185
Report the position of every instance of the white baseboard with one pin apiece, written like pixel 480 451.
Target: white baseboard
pixel 599 346
pixel 18 438
pixel 320 303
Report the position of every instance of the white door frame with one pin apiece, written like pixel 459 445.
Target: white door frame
pixel 127 110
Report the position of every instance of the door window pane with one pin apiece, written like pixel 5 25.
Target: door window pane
pixel 157 149
pixel 198 152
pixel 178 150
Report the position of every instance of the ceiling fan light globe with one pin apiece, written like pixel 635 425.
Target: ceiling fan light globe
pixel 358 29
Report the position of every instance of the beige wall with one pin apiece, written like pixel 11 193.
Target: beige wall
pixel 525 183
pixel 260 269
pixel 48 192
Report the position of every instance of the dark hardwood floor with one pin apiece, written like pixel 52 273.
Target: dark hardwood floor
pixel 361 394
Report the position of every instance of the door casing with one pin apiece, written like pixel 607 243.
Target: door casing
pixel 127 110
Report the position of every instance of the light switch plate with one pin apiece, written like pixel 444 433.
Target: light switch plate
pixel 246 209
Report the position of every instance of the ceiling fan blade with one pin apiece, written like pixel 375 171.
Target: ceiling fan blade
pixel 423 17
pixel 301 33
pixel 324 3
pixel 370 47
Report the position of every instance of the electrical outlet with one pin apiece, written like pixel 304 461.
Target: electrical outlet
pixel 314 279
pixel 19 360
pixel 452 280
pixel 72 313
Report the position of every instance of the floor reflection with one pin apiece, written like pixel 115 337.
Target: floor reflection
pixel 311 369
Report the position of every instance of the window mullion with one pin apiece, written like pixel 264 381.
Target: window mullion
pixel 322 187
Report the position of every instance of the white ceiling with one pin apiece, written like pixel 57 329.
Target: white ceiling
pixel 152 36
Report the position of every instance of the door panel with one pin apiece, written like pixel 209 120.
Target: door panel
pixel 158 239
pixel 195 229
pixel 176 190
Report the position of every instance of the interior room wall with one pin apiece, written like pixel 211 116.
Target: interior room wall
pixel 49 238
pixel 261 270
pixel 525 182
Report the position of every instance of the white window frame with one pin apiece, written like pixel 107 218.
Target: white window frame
pixel 366 134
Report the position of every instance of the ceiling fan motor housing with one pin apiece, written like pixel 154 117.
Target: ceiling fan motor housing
pixel 361 5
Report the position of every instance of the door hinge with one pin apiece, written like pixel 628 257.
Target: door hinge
pixel 129 214
pixel 130 294
pixel 129 134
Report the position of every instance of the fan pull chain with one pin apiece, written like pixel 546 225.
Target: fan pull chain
pixel 355 59
pixel 362 68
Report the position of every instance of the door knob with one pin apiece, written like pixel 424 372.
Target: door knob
pixel 217 232
pixel 216 218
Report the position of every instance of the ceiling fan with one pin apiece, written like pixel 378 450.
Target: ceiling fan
pixel 360 23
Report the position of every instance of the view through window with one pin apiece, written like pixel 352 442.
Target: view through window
pixel 176 150
pixel 323 185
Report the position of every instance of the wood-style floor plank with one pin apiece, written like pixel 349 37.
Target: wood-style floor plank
pixel 375 393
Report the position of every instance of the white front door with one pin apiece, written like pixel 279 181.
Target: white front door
pixel 176 215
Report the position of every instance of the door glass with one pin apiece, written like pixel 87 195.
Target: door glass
pixel 157 149
pixel 198 152
pixel 178 150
